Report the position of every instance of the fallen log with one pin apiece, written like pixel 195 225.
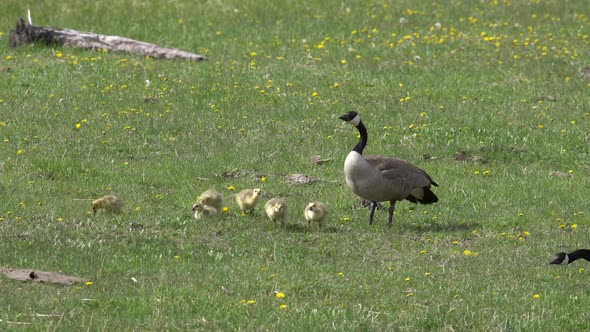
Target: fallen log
pixel 25 33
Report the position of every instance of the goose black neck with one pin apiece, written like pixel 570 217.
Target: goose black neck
pixel 580 253
pixel 360 146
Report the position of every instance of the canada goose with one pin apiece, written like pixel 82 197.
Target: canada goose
pixel 276 209
pixel 316 211
pixel 380 178
pixel 565 259
pixel 247 199
pixel 201 211
pixel 211 198
pixel 109 203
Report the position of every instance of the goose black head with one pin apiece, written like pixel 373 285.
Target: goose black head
pixel 348 116
pixel 561 259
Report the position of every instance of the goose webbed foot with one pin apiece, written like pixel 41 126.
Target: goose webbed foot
pixel 391 209
pixel 373 207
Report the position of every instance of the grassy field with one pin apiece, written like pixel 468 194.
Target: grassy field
pixel 489 97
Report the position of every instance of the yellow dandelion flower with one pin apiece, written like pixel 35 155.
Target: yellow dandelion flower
pixel 346 219
pixel 427 274
pixel 410 294
pixel 343 62
pixel 536 296
pixel 467 252
pixel 225 209
pixel 89 283
pixel 231 188
pixel 407 279
pixel 280 295
pixel 422 252
pixel 263 179
pixel 251 302
pixel 574 226
pixel 176 257
pixel 340 274
pixel 283 306
pixel 582 270
pixel 19 152
pixel 78 125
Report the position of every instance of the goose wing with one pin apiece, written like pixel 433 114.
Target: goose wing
pixel 400 172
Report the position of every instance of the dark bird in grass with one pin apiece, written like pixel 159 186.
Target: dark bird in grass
pixel 384 179
pixel 565 258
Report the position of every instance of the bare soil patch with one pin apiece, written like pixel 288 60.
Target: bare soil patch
pixel 39 276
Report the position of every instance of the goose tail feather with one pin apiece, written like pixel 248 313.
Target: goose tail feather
pixel 428 197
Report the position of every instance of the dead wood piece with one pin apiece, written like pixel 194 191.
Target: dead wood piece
pixel 39 276
pixel 27 34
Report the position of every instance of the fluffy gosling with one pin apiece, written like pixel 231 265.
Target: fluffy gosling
pixel 276 209
pixel 316 212
pixel 247 199
pixel 201 211
pixel 211 198
pixel 109 203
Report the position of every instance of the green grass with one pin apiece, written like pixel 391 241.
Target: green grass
pixel 77 124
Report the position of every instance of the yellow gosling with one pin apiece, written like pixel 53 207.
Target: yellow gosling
pixel 316 212
pixel 247 199
pixel 276 210
pixel 109 203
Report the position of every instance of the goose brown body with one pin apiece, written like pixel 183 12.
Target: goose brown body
pixel 384 179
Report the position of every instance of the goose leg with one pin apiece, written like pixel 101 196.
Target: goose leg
pixel 373 207
pixel 391 209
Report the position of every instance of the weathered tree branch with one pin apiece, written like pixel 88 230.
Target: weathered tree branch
pixel 26 33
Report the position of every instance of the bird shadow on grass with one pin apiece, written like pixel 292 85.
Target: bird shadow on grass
pixel 438 225
pixel 303 228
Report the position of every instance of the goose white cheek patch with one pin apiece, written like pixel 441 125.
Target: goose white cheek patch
pixel 565 260
pixel 355 121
